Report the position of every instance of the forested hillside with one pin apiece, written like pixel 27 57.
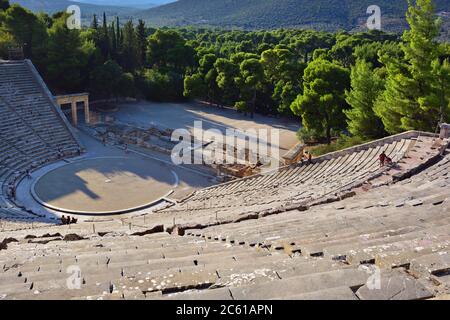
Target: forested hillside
pixel 141 4
pixel 328 15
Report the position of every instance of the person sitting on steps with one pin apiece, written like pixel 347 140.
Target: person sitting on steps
pixel 384 159
pixel 308 157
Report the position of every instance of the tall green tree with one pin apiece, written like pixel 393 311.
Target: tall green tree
pixel 104 41
pixel 249 81
pixel 141 37
pixel 366 85
pixel 284 71
pixel 168 50
pixel 441 71
pixel 65 57
pixel 203 83
pixel 411 100
pixel 227 71
pixel 322 103
pixel 194 86
pixel 94 24
pixel 308 42
pixel 130 50
pixel 106 79
pixel 112 35
pixel 118 35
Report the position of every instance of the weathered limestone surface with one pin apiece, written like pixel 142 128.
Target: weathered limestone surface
pixel 338 228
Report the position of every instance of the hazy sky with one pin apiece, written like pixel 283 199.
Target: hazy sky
pixel 124 3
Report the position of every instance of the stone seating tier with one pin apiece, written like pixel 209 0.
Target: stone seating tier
pixel 32 131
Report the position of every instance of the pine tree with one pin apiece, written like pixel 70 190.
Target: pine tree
pixel 366 85
pixel 105 23
pixel 104 39
pixel 130 51
pixel 442 74
pixel 118 35
pixel 142 41
pixel 112 35
pixel 322 103
pixel 65 58
pixel 410 100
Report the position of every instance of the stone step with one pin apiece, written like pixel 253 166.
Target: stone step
pixel 151 268
pixel 171 281
pixel 363 251
pixel 303 284
pixel 222 294
pixel 308 239
pixel 257 272
pixel 62 292
pixel 404 257
pixel 437 263
pixel 12 279
pixel 356 236
pixel 339 293
pixel 404 248
pixel 12 288
pixel 393 285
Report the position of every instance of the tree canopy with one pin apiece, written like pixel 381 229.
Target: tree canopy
pixel 362 84
pixel 366 85
pixel 413 99
pixel 322 103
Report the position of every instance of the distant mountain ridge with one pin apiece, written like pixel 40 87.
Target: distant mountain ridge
pixel 141 4
pixel 87 10
pixel 329 15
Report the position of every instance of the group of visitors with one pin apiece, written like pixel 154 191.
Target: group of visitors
pixel 68 220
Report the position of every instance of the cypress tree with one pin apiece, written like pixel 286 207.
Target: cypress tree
pixel 118 34
pixel 94 22
pixel 112 32
pixel 142 41
pixel 105 46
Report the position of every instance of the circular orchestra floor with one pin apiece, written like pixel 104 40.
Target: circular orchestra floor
pixel 104 185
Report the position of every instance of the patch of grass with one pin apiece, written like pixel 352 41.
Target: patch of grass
pixel 341 143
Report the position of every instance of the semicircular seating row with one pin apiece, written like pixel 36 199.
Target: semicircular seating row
pixel 300 184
